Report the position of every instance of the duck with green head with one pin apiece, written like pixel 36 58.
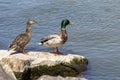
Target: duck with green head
pixel 56 40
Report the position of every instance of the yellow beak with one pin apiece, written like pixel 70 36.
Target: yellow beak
pixel 71 23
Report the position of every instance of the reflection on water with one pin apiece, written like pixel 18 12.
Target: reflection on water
pixel 94 35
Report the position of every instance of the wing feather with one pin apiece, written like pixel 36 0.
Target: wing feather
pixel 20 41
pixel 52 40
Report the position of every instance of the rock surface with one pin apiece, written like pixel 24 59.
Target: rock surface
pixel 46 77
pixel 43 63
pixel 6 75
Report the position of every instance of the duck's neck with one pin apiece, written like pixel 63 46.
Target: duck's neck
pixel 28 28
pixel 63 33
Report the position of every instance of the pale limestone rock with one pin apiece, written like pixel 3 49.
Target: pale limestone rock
pixel 18 61
pixel 47 77
pixel 6 73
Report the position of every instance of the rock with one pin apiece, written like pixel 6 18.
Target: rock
pixel 37 64
pixel 47 77
pixel 6 74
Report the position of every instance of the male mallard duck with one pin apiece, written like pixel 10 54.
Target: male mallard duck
pixel 56 40
pixel 22 39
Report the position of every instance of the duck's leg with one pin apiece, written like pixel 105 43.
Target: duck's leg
pixel 57 51
pixel 19 50
pixel 23 51
pixel 52 50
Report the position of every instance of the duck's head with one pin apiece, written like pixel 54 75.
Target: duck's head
pixel 65 22
pixel 31 22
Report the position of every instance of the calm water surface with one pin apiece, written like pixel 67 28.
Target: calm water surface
pixel 95 34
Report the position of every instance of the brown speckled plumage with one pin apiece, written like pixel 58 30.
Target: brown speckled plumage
pixel 22 39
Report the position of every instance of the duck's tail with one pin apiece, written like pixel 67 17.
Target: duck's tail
pixel 40 43
pixel 12 47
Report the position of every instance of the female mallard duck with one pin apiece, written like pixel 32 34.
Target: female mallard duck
pixel 22 39
pixel 56 40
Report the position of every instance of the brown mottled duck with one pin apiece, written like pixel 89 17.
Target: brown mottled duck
pixel 56 40
pixel 22 39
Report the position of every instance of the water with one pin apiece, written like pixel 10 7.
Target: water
pixel 94 35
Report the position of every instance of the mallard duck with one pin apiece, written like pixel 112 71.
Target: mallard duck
pixel 22 39
pixel 56 40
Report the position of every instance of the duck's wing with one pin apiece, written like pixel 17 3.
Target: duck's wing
pixel 20 40
pixel 54 38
